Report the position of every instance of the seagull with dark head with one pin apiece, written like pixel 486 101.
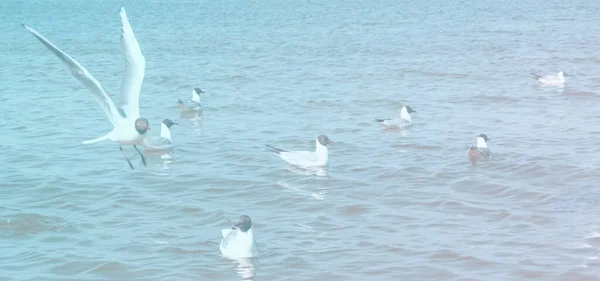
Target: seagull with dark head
pixel 128 127
pixel 162 143
pixel 402 122
pixel 238 241
pixel 192 105
pixel 481 151
pixel 306 159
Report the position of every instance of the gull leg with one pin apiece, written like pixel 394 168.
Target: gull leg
pixel 126 158
pixel 143 158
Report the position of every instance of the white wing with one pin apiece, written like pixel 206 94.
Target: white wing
pixel 395 123
pixel 135 67
pixel 105 102
pixel 300 158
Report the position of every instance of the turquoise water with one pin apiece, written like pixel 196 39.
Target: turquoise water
pixel 392 205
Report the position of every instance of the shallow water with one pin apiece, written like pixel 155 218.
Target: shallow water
pixel 392 205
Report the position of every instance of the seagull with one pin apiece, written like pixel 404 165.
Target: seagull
pixel 306 159
pixel 238 242
pixel 192 105
pixel 551 80
pixel 481 151
pixel 162 143
pixel 401 122
pixel 128 127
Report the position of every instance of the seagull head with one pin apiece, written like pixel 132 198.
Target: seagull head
pixel 168 123
pixel 142 125
pixel 244 224
pixel 408 109
pixel 324 140
pixel 197 91
pixel 483 136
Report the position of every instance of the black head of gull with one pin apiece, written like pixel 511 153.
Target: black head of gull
pixel 244 224
pixel 409 110
pixel 142 125
pixel 485 138
pixel 198 91
pixel 324 140
pixel 168 123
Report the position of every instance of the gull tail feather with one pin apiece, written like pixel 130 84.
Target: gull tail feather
pixel 105 137
pixel 275 149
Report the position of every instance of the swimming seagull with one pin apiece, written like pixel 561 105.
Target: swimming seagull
pixel 129 128
pixel 481 151
pixel 306 159
pixel 238 242
pixel 551 80
pixel 162 143
pixel 398 122
pixel 193 104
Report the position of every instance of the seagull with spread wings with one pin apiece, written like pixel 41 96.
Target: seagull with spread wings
pixel 128 127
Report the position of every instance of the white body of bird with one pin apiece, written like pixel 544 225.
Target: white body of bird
pixel 237 244
pixel 306 159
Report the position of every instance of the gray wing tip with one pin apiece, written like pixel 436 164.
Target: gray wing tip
pixel 27 27
pixel 122 13
pixel 275 149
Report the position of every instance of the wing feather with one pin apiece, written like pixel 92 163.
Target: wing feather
pixel 81 74
pixel 135 67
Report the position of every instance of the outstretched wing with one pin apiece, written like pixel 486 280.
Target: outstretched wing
pixel 135 67
pixel 79 72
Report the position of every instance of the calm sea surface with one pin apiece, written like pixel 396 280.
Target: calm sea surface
pixel 392 205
